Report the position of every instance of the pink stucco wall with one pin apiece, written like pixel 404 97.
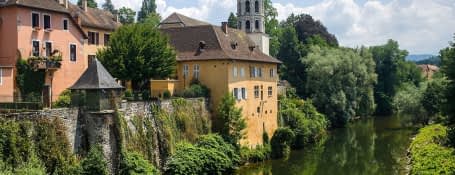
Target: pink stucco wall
pixel 19 24
pixel 8 51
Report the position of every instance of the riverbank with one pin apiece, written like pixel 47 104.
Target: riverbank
pixel 428 155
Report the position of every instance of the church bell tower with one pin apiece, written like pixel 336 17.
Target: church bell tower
pixel 251 16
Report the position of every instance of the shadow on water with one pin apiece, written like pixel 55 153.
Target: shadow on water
pixel 367 147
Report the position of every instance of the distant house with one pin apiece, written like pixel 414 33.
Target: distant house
pixel 428 70
pixel 38 28
pixel 226 60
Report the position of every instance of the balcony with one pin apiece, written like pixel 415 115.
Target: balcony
pixel 45 63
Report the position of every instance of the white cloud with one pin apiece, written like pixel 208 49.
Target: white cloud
pixel 420 26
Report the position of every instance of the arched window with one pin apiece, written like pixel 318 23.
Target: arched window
pixel 256 24
pixel 247 6
pixel 256 6
pixel 247 25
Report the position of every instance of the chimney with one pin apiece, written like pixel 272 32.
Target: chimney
pixel 224 27
pixel 63 3
pixel 84 5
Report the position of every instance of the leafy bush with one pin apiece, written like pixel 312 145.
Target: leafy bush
pixel 196 90
pixel 166 94
pixel 303 119
pixel 210 155
pixel 134 164
pixel 258 154
pixel 128 93
pixel 94 163
pixel 428 154
pixel 64 100
pixel 408 100
pixel 281 142
pixel 451 136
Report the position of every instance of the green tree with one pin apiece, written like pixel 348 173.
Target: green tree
pixel 407 101
pixel 95 162
pixel 388 58
pixel 448 65
pixel 148 8
pixel 153 19
pixel 232 21
pixel 108 6
pixel 281 142
pixel 339 80
pixel 126 15
pixel 135 164
pixel 434 98
pixel 272 27
pixel 139 52
pixel 306 27
pixel 231 120
pixel 90 3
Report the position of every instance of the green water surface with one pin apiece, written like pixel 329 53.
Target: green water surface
pixel 366 147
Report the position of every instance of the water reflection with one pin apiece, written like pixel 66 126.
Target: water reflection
pixel 373 146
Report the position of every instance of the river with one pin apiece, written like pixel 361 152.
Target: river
pixel 366 147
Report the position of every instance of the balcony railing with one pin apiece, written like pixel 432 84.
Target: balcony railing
pixel 46 63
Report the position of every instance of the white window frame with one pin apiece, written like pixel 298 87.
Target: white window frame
pixel 69 48
pixel 1 76
pixel 272 73
pixel 186 70
pixel 236 94
pixel 235 71
pixel 39 47
pixel 67 24
pixel 50 21
pixel 244 93
pixel 45 45
pixel 39 17
pixel 242 72
pixel 196 71
pixel 259 72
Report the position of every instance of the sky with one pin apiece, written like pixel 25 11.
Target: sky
pixel 420 26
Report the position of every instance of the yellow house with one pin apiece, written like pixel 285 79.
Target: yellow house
pixel 227 61
pixel 97 24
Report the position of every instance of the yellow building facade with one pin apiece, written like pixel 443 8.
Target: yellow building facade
pixel 226 61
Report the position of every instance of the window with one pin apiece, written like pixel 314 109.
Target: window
pixel 196 71
pixel 255 72
pixel 35 48
pixel 256 91
pixel 236 94
pixel 235 71
pixel 107 38
pixel 73 52
pixel 272 73
pixel 256 24
pixel 247 25
pixel 185 70
pixel 65 24
pixel 35 20
pixel 48 49
pixel 93 38
pixel 242 72
pixel 256 7
pixel 270 91
pixel 244 93
pixel 47 22
pixel 259 72
pixel 247 6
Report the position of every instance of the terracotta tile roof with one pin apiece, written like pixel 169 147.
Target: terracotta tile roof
pixel 51 5
pixel 234 45
pixel 178 20
pixel 95 18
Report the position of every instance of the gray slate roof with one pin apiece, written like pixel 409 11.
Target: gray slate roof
pixel 179 20
pixel 96 77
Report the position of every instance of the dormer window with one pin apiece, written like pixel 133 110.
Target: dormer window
pixel 202 45
pixel 234 45
pixel 247 6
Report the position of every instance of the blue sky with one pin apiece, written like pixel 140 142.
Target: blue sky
pixel 420 26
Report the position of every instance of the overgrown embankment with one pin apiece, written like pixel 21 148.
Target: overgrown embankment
pixel 428 153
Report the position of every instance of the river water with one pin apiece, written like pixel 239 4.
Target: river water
pixel 366 147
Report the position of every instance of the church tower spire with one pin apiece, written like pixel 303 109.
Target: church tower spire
pixel 251 18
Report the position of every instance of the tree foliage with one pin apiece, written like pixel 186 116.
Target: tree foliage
pixel 306 27
pixel 139 53
pixel 272 27
pixel 95 162
pixel 29 81
pixel 134 164
pixel 341 82
pixel 232 21
pixel 90 3
pixel 448 65
pixel 126 15
pixel 148 8
pixel 108 6
pixel 231 120
pixel 408 101
pixel 281 142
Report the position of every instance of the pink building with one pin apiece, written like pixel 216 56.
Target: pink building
pixel 38 28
